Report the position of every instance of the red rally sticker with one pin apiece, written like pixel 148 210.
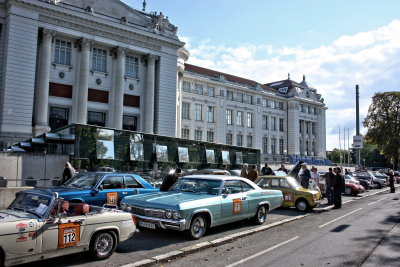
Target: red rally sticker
pixel 22 238
pixel 21 225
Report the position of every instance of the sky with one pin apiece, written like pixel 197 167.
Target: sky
pixel 336 44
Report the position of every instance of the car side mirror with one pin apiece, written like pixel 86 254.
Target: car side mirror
pixel 94 192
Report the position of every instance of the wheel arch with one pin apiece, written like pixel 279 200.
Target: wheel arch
pixel 206 213
pixel 264 203
pixel 113 230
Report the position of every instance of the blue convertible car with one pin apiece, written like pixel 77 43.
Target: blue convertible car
pixel 99 188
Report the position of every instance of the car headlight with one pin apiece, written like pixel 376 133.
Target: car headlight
pixel 175 215
pixel 168 214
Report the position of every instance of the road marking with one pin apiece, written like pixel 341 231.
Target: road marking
pixel 372 203
pixel 341 217
pixel 262 252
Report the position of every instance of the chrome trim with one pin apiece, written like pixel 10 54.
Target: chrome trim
pixel 164 223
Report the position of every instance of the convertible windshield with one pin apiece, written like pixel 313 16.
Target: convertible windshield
pixel 84 180
pixel 203 186
pixel 33 203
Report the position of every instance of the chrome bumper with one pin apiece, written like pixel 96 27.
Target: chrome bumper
pixel 179 225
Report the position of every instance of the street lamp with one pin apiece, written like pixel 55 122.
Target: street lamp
pixel 364 163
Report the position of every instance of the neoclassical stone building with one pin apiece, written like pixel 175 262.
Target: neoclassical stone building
pixel 284 119
pixel 85 61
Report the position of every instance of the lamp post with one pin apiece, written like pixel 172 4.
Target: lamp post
pixel 364 163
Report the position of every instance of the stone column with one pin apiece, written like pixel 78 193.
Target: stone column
pixel 42 97
pixel 303 136
pixel 118 103
pixel 310 138
pixel 83 81
pixel 149 95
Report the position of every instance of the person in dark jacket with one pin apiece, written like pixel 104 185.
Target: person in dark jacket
pixel 329 178
pixel 253 174
pixel 266 170
pixel 391 181
pixel 304 175
pixel 282 168
pixel 68 173
pixel 338 188
pixel 170 179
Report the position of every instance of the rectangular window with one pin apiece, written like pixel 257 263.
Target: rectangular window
pixel 198 112
pixel 210 91
pixel 281 146
pixel 239 97
pixel 185 133
pixel 185 110
pixel 129 123
pixel 229 95
pixel 281 124
pixel 273 144
pixel 281 105
pixel 96 118
pixel 306 125
pixel 210 136
pixel 62 52
pixel 313 128
pixel 222 93
pixel 239 140
pixel 264 102
pixel 273 121
pixel 249 99
pixel 301 107
pixel 198 88
pixel 210 114
pixel 265 145
pixel 132 67
pixel 315 111
pixel 273 105
pixel 265 122
pixel 99 59
pixel 249 141
pixel 198 135
pixel 58 117
pixel 229 139
pixel 239 118
pixel 186 86
pixel 300 127
pixel 311 110
pixel 250 120
pixel 229 116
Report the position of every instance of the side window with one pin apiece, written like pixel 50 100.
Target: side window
pixel 112 182
pixel 284 184
pixel 233 187
pixel 274 182
pixel 130 182
pixel 246 187
pixel 263 183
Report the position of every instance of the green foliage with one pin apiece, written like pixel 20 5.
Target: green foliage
pixel 383 123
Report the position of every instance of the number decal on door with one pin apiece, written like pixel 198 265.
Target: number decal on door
pixel 237 206
pixel 112 198
pixel 68 235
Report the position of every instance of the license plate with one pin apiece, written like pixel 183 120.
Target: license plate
pixel 147 225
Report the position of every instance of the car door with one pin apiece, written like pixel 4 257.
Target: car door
pixel 234 203
pixel 287 192
pixel 20 237
pixel 110 191
pixel 132 186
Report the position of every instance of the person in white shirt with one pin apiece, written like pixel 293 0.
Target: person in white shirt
pixel 315 179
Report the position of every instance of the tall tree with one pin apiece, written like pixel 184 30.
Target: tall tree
pixel 383 124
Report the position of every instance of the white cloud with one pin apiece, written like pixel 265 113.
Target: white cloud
pixel 370 59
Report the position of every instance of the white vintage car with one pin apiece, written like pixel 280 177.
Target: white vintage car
pixel 39 226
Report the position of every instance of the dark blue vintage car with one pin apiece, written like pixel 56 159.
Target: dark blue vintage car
pixel 99 188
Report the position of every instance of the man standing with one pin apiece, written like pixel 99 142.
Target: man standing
pixel 244 173
pixel 253 174
pixel 315 178
pixel 170 179
pixel 391 181
pixel 282 168
pixel 329 178
pixel 267 170
pixel 304 175
pixel 338 189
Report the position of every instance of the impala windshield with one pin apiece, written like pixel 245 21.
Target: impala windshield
pixel 204 186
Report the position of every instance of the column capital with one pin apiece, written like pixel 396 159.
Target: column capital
pixel 152 57
pixel 85 43
pixel 48 34
pixel 121 51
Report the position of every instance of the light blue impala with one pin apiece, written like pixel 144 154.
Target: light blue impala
pixel 197 202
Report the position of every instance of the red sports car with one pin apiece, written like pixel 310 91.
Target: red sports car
pixel 353 187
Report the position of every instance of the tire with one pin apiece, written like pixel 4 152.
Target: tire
pixel 378 186
pixel 198 227
pixel 302 205
pixel 261 215
pixel 348 191
pixel 102 245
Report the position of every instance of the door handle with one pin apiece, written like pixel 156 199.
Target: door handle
pixel 244 198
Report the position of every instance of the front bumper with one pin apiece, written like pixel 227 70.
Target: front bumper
pixel 179 225
pixel 317 203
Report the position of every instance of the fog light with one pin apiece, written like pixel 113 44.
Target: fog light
pixel 168 214
pixel 175 214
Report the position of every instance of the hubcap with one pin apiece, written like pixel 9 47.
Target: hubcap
pixel 262 214
pixel 348 191
pixel 301 205
pixel 104 244
pixel 198 227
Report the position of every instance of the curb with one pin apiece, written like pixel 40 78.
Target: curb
pixel 219 241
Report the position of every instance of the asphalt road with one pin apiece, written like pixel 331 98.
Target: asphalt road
pixel 370 226
pixel 343 237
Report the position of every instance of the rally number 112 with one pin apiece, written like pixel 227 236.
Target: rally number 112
pixel 69 238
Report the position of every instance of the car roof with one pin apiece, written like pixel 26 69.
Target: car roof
pixel 216 177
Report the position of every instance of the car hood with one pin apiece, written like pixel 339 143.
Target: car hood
pixel 304 190
pixel 59 190
pixel 15 215
pixel 163 199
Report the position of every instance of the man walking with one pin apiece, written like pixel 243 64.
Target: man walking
pixel 304 175
pixel 338 188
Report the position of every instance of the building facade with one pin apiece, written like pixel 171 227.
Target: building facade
pixel 284 119
pixel 98 62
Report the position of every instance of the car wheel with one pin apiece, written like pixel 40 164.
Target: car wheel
pixel 261 215
pixel 348 191
pixel 198 227
pixel 102 245
pixel 378 185
pixel 302 205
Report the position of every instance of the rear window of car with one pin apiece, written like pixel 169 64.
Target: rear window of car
pixel 263 183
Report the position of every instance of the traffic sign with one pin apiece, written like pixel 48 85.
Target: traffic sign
pixel 358 141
